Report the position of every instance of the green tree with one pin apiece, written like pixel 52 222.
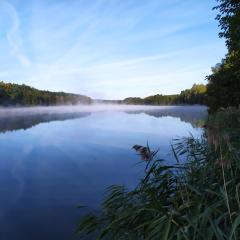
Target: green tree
pixel 224 82
pixel 195 95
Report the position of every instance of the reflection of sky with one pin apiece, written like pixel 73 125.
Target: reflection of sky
pixel 47 170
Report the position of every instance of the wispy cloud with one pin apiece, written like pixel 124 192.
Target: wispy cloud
pixel 13 37
pixel 110 49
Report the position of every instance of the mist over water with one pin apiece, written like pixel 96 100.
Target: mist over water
pixel 56 158
pixel 89 108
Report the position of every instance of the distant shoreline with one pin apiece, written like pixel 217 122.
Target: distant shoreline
pixel 23 95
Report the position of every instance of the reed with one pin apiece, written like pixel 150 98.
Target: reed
pixel 194 199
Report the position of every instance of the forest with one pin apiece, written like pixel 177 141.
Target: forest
pixel 23 95
pixel 195 95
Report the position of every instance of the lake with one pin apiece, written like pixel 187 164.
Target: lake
pixel 56 158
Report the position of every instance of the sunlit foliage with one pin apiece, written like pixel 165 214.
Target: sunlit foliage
pixel 14 94
pixel 195 95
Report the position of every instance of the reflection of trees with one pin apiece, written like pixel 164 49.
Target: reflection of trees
pixel 10 121
pixel 194 115
pixel 16 122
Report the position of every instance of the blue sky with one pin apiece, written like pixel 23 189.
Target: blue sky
pixel 109 48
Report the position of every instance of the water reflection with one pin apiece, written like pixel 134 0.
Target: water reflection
pixel 196 115
pixel 49 169
pixel 25 121
pixel 16 119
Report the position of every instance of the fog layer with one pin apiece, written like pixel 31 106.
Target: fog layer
pixel 19 111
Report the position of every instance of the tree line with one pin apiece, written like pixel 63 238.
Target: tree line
pixel 195 95
pixel 15 94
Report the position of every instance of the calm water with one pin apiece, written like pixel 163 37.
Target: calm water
pixel 53 159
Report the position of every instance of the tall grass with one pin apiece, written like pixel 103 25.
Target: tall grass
pixel 197 199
